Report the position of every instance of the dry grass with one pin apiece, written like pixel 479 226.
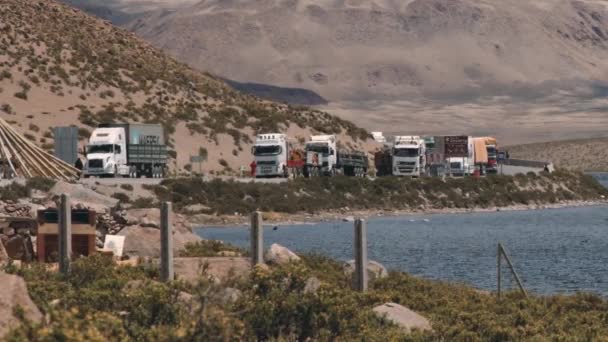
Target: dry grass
pixel 584 154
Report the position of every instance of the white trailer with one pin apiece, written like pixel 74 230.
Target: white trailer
pixel 126 150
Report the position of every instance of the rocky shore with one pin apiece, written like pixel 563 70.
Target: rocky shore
pixel 346 214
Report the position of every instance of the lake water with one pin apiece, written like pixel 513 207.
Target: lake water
pixel 554 250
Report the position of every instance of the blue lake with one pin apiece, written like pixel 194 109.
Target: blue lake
pixel 554 250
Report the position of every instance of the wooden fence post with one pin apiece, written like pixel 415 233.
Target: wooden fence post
pixel 498 275
pixel 65 234
pixel 257 239
pixel 503 252
pixel 166 243
pixel 361 278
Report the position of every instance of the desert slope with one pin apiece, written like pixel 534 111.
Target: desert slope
pixel 582 155
pixel 59 66
pixel 348 50
pixel 524 71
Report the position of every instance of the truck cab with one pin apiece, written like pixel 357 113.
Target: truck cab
pixel 492 166
pixel 409 156
pixel 106 152
pixel 459 166
pixel 321 155
pixel 270 153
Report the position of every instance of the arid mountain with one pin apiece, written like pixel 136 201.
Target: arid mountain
pixel 524 70
pixel 60 66
pixel 582 155
pixel 349 49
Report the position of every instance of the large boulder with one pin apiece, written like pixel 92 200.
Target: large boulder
pixel 280 255
pixel 145 217
pixel 85 197
pixel 145 241
pixel 143 236
pixel 14 294
pixel 402 316
pixel 375 270
pixel 218 269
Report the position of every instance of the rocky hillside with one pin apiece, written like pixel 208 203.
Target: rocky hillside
pixel 60 66
pixel 586 154
pixel 353 50
pixel 481 67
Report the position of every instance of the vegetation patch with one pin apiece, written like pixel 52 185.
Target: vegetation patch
pixel 101 301
pixel 315 195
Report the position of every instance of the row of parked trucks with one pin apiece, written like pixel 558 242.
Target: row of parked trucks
pixel 411 156
pixel 275 156
pixel 135 150
pixel 416 156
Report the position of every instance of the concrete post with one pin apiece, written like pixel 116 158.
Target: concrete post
pixel 65 234
pixel 257 239
pixel 361 277
pixel 166 243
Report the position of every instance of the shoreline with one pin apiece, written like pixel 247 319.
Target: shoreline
pixel 347 215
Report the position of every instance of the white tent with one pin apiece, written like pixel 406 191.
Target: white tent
pixel 21 158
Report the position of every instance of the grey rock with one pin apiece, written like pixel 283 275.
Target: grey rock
pixel 312 285
pixel 229 295
pixel 197 208
pixel 146 222
pixel 85 197
pixel 280 255
pixel 14 293
pixel 403 317
pixel 145 241
pixel 375 270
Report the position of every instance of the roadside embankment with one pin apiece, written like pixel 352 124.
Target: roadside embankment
pixel 221 202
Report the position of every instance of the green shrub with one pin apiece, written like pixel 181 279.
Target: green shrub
pixel 121 197
pixel 40 183
pixel 208 248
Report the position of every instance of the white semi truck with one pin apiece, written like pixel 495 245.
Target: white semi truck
pixel 405 155
pixel 321 156
pixel 270 153
pixel 129 150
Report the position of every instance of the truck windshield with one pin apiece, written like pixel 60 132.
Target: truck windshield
pixel 455 165
pixel 406 152
pixel 319 148
pixel 271 150
pixel 107 148
pixel 491 152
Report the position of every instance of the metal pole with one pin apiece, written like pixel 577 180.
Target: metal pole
pixel 166 243
pixel 498 260
pixel 65 234
pixel 257 239
pixel 517 279
pixel 361 277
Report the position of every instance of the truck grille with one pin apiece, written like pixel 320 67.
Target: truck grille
pixel 267 162
pixel 406 167
pixel 96 163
